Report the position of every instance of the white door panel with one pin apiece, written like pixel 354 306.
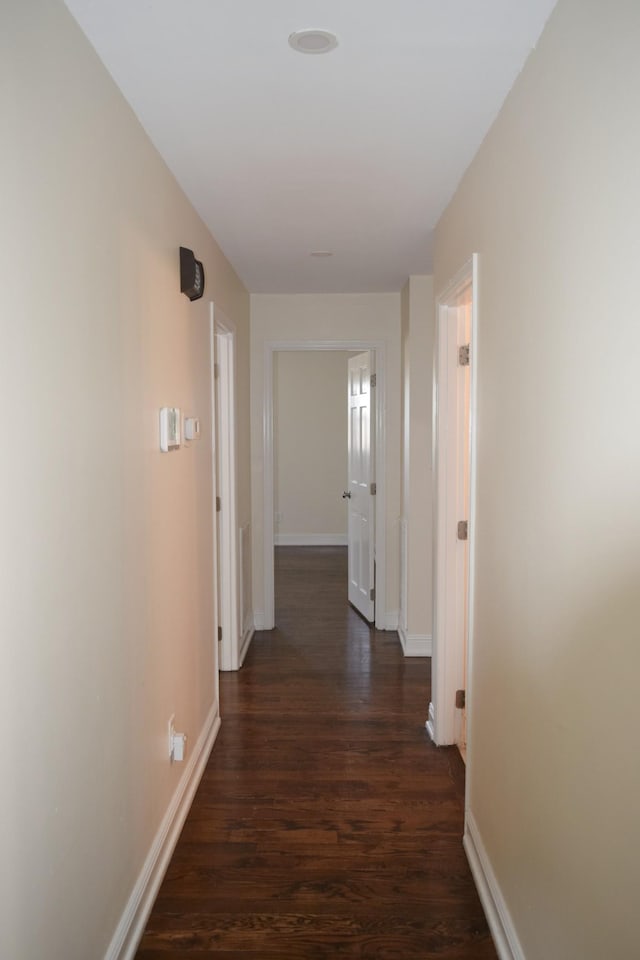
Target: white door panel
pixel 360 498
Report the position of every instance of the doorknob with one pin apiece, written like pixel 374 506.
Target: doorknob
pixel 346 494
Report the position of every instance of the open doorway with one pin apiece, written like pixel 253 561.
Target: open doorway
pixel 309 460
pixel 454 468
pixel 232 552
pixel 324 443
pixel 272 351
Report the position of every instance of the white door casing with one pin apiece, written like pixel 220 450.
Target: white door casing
pixel 265 620
pixel 454 469
pixel 360 459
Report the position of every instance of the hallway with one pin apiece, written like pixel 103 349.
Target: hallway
pixel 326 823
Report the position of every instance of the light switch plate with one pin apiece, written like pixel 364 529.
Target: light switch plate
pixel 169 429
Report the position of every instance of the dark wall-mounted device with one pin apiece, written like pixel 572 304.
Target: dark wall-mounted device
pixel 191 275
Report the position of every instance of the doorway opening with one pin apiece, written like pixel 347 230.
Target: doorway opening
pixel 233 639
pixel 273 348
pixel 454 471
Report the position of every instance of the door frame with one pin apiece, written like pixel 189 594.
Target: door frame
pixel 378 348
pixel 448 649
pixel 223 353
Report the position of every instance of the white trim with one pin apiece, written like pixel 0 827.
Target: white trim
pixel 129 931
pixel 493 903
pixel 403 615
pixel 473 485
pixel 259 620
pixel 244 605
pixel 415 644
pixel 310 539
pixel 247 637
pixel 379 347
pixel 391 619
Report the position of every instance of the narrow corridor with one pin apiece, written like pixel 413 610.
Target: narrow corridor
pixel 326 825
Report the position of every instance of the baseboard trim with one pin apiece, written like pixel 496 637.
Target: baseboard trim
pixel 498 917
pixel 310 540
pixel 415 644
pixel 258 619
pixel 126 938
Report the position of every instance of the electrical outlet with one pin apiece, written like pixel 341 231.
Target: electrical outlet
pixel 171 732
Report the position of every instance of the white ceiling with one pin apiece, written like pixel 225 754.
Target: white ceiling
pixel 357 151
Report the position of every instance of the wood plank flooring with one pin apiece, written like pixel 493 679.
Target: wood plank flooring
pixel 327 825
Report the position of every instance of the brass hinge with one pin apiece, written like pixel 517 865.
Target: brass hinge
pixel 461 699
pixel 372 593
pixel 463 355
pixel 373 379
pixel 218 505
pixel 373 489
pixel 219 634
pixel 463 530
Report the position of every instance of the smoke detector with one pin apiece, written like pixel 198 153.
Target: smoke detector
pixel 313 41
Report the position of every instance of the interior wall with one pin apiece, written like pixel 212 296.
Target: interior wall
pixel 313 317
pixel 418 320
pixel 310 446
pixel 106 592
pixel 549 204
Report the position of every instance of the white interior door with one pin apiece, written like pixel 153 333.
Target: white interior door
pixel 460 376
pixel 360 490
pixel 228 598
pixel 454 468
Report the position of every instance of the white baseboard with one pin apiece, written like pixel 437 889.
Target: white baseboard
pixel 498 917
pixel 247 637
pixel 258 619
pixel 415 644
pixel 310 539
pixel 431 722
pixel 127 936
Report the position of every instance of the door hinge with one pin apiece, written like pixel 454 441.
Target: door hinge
pixel 373 379
pixel 463 530
pixel 219 634
pixel 372 593
pixel 216 371
pixel 218 505
pixel 463 355
pixel 461 699
pixel 373 489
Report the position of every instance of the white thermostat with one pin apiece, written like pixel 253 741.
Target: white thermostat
pixel 191 428
pixel 169 429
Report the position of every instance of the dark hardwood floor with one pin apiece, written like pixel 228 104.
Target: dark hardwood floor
pixel 326 824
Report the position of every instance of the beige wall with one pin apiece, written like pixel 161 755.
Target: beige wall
pixel 310 445
pixel 106 547
pixel 550 203
pixel 417 512
pixel 313 317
